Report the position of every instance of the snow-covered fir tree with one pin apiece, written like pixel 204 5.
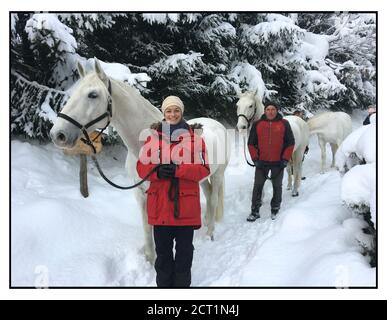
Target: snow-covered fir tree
pixel 306 60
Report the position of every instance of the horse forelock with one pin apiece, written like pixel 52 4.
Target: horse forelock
pixel 78 102
pixel 89 82
pixel 248 98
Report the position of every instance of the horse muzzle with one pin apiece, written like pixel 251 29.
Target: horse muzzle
pixel 63 139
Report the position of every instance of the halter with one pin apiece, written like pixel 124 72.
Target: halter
pixel 249 120
pixel 108 114
pixel 248 126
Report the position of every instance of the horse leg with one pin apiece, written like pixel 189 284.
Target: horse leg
pixel 322 144
pixel 220 206
pixel 216 182
pixel 334 148
pixel 289 170
pixel 206 187
pixel 140 195
pixel 149 247
pixel 297 171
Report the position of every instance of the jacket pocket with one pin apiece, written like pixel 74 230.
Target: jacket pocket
pixel 189 204
pixel 153 204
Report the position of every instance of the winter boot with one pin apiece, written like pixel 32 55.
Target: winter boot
pixel 274 212
pixel 254 215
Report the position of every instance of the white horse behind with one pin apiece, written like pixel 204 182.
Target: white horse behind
pixel 250 109
pixel 131 115
pixel 301 140
pixel 332 128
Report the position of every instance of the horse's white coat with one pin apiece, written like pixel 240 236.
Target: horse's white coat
pixel 301 138
pixel 250 105
pixel 332 128
pixel 132 114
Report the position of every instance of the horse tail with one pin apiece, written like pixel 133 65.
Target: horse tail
pixel 220 207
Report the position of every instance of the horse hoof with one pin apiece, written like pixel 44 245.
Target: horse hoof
pixel 210 237
pixel 295 194
pixel 150 257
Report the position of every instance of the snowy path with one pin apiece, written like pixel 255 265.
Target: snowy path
pixel 307 245
pixel 65 240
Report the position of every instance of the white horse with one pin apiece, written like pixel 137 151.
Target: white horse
pixel 131 114
pixel 301 140
pixel 250 109
pixel 332 128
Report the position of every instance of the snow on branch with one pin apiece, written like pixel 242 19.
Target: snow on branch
pixel 33 107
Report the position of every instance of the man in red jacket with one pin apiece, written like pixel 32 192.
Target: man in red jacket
pixel 173 197
pixel 271 144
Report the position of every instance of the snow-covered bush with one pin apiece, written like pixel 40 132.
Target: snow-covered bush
pixel 356 160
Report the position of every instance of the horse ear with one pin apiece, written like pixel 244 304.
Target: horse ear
pixel 98 69
pixel 81 71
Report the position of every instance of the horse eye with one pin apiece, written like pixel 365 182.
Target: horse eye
pixel 93 95
pixel 250 107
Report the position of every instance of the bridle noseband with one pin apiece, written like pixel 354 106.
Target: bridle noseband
pixel 108 114
pixel 253 116
pixel 89 142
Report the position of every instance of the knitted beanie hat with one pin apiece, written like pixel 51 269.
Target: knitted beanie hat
pixel 272 103
pixel 172 101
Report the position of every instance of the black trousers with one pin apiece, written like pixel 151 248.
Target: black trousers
pixel 173 271
pixel 261 175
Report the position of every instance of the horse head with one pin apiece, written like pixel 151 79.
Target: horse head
pixel 87 108
pixel 249 107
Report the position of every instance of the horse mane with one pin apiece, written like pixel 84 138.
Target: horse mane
pixel 126 87
pixel 255 96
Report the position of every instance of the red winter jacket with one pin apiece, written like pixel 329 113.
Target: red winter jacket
pixel 271 140
pixel 189 153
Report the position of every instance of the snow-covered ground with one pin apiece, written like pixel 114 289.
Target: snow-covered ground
pixel 61 239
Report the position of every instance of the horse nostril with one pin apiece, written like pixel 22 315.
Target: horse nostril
pixel 61 137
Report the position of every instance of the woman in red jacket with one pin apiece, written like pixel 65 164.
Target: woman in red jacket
pixel 271 144
pixel 173 198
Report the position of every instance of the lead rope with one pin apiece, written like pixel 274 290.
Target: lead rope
pixel 252 165
pixel 93 157
pixel 244 151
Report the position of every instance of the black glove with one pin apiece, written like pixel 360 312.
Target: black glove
pixel 166 171
pixel 283 164
pixel 259 164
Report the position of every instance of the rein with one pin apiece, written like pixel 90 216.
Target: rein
pixel 244 152
pixel 249 120
pixel 253 165
pixel 108 114
pixel 244 138
pixel 86 140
